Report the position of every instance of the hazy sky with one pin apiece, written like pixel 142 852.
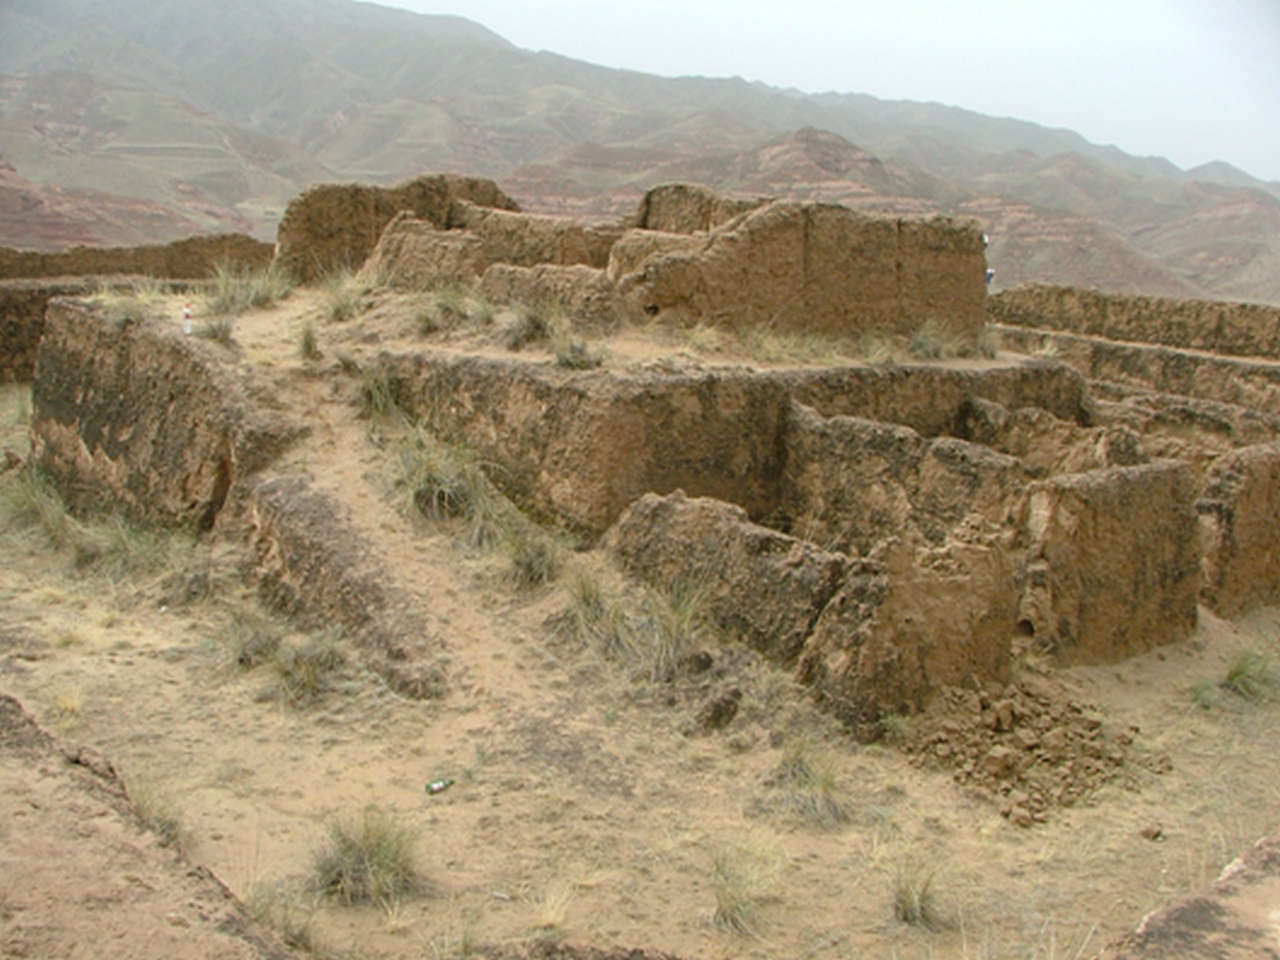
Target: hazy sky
pixel 1190 80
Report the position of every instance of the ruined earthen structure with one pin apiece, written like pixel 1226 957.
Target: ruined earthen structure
pixel 690 258
pixel 884 531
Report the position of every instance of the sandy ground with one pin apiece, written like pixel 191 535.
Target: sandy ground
pixel 583 811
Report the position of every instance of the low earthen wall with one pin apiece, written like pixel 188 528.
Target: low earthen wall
pixel 526 240
pixel 871 635
pixel 819 268
pixel 192 259
pixel 851 483
pixel 765 586
pixel 584 291
pixel 578 447
pixel 141 418
pixel 1251 383
pixel 1240 530
pixel 1113 561
pixel 1242 329
pixel 930 398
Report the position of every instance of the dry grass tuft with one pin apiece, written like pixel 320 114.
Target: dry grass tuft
pixel 989 342
pixel 536 556
pixel 571 349
pixel 237 289
pixel 744 878
pixel 810 779
pixel 285 910
pixel 1253 676
pixel 157 811
pixel 306 671
pixel 368 859
pixel 933 341
pixel 443 481
pixel 105 545
pixel 532 323
pixel 308 344
pixel 344 295
pixel 915 897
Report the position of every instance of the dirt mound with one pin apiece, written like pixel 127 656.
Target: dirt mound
pixel 335 226
pixel 127 895
pixel 1028 745
pixel 1235 919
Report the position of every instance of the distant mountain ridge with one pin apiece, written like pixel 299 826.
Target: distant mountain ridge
pixel 222 110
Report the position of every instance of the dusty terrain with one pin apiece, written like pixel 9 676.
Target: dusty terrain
pixel 594 805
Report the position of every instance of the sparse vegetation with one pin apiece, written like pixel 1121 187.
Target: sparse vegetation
pixel 237 289
pixel 553 909
pixel 345 293
pixel 876 348
pixel 377 395
pixel 107 545
pixel 286 911
pixel 308 344
pixel 989 342
pixel 68 706
pixel 536 557
pixel 220 328
pixel 129 301
pixel 897 728
pixel 369 859
pixel 915 898
pixel 809 779
pixel 1253 676
pixel 306 671
pixel 932 341
pixel 571 349
pixel 673 625
pixel 531 323
pixel 443 481
pixel 744 878
pixel 157 811
pixel 451 302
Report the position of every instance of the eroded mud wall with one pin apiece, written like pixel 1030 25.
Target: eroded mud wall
pixel 577 448
pixel 820 268
pixel 22 306
pixel 1243 381
pixel 1113 560
pixel 689 208
pixel 192 259
pixel 1240 530
pixel 335 226
pixel 850 483
pixel 142 418
pixel 1242 329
